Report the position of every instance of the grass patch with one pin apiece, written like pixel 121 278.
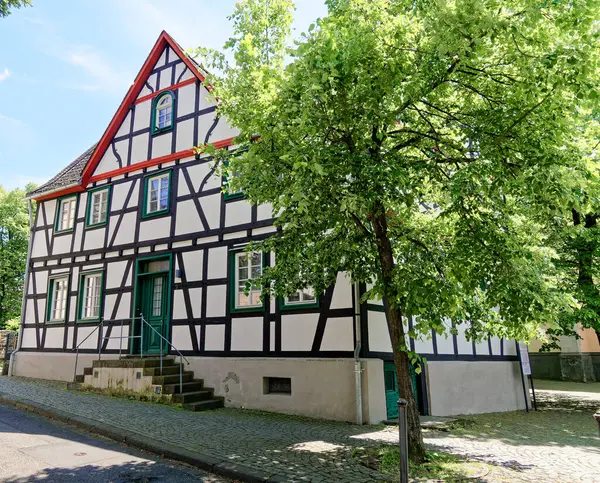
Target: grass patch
pixel 437 467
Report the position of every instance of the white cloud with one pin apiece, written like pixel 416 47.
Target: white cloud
pixel 10 120
pixel 5 74
pixel 98 69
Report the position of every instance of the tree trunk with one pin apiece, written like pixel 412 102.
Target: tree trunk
pixel 397 335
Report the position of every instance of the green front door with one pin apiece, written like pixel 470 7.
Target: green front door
pixel 391 388
pixel 153 305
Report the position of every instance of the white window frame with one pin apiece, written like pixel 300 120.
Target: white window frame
pixel 253 290
pixel 102 214
pixel 58 306
pixel 302 300
pixel 149 200
pixel 71 201
pixel 89 302
pixel 167 106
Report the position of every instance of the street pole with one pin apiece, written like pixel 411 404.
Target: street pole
pixel 403 429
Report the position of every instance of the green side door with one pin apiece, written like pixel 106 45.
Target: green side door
pixel 391 388
pixel 154 309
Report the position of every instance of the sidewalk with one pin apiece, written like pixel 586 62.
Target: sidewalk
pixel 248 445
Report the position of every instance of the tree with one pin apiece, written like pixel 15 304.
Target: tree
pixel 14 235
pixel 7 5
pixel 411 144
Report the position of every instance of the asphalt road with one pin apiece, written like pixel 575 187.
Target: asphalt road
pixel 35 449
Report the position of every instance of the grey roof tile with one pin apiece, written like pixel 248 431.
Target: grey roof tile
pixel 68 176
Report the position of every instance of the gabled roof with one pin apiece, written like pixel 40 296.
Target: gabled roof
pixel 68 177
pixel 76 176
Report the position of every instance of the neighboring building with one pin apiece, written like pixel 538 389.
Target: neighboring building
pixel 138 224
pixel 578 359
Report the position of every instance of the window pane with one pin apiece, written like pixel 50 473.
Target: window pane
pixel 308 295
pixel 255 297
pixel 256 258
pixel 243 273
pixel 256 272
pixel 157 297
pixel 59 299
pixel 294 298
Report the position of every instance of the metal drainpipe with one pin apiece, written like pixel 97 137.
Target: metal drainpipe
pixel 25 290
pixel 357 363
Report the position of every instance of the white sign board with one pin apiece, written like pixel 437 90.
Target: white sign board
pixel 525 359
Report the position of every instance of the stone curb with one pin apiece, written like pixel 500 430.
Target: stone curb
pixel 206 462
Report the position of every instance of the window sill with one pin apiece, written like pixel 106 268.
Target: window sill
pixel 55 322
pixel 64 232
pixel 156 214
pixel 158 132
pixel 95 225
pixel 234 196
pixel 254 308
pixel 88 321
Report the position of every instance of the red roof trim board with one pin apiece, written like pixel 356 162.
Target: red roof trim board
pixel 170 88
pixel 163 41
pixel 154 161
pixel 56 194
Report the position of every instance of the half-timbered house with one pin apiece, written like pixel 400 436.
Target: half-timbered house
pixel 138 224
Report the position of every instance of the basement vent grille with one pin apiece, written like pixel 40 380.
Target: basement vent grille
pixel 95 374
pixel 138 375
pixel 277 385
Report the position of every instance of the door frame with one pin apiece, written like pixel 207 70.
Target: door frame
pixel 138 276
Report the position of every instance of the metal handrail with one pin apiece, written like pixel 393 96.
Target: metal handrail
pixel 102 338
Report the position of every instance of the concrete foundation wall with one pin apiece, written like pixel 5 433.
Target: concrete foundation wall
pixel 321 388
pixel 49 365
pixel 460 387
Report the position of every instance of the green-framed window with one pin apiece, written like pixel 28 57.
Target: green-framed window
pixel 157 193
pixel 90 299
pixel 58 297
pixel 163 112
pixel 227 194
pixel 66 212
pixel 303 299
pixel 244 270
pixel 98 204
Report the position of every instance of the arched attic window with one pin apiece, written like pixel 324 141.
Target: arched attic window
pixel 162 113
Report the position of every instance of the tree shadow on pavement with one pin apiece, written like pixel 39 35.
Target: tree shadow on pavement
pixel 132 472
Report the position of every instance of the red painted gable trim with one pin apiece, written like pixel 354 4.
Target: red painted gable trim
pixel 163 41
pixel 154 161
pixel 56 194
pixel 170 88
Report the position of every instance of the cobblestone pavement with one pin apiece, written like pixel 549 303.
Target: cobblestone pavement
pixel 558 443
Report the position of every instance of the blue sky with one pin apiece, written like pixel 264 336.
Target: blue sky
pixel 65 65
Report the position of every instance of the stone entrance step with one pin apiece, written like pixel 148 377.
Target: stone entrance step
pixel 132 374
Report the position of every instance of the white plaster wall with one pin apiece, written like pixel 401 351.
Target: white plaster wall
pixel 342 293
pixel 181 337
pixel 445 343
pixel 457 387
pixel 39 245
pixel 139 144
pixel 238 213
pixel 247 334
pixel 298 331
pixel 192 262
pixel 161 144
pixel 124 127
pixel 126 229
pixel 217 262
pixel 338 335
pixel 215 337
pixel 155 228
pixel 119 195
pixel 115 272
pixel 142 115
pixel 62 244
pixel 186 96
pixel 185 133
pixel 54 337
pixel 379 337
pixel 217 295
pixel 187 220
pixel 94 239
pixel 212 210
